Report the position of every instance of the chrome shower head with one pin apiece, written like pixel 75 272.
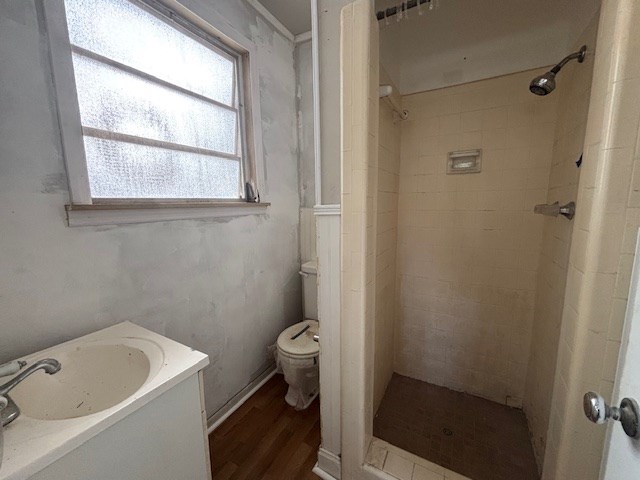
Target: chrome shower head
pixel 543 84
pixel 546 83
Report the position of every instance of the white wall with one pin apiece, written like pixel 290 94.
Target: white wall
pixel 329 59
pixel 224 287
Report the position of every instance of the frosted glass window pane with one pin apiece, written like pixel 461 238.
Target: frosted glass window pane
pixel 125 170
pixel 126 33
pixel 113 100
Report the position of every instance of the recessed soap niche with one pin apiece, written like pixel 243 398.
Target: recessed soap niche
pixel 464 161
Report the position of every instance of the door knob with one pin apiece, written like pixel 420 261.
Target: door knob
pixel 597 410
pixel 316 338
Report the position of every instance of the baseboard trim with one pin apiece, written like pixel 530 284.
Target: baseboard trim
pixel 232 405
pixel 322 474
pixel 329 464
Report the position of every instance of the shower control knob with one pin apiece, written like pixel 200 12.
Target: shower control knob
pixel 597 410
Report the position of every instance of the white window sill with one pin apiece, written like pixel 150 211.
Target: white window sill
pixel 114 214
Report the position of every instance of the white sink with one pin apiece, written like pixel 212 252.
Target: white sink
pixel 105 377
pixel 93 377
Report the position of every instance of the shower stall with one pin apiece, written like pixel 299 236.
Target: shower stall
pixel 475 268
pixel 462 262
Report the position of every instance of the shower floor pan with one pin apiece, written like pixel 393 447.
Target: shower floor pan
pixel 478 438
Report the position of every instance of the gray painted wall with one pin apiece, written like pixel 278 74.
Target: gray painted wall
pixel 226 288
pixel 304 84
pixel 306 152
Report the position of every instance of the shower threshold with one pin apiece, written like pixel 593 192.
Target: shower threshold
pixel 477 438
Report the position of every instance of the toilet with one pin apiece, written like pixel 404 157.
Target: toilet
pixel 297 352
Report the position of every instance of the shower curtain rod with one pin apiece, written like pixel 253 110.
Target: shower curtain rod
pixel 391 11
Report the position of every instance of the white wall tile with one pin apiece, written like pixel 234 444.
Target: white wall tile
pixel 472 230
pixel 398 466
pixel 598 257
pixel 421 473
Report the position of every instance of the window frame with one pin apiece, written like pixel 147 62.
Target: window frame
pixel 83 209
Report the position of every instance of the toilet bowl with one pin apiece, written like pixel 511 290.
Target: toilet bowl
pixel 298 360
pixel 297 352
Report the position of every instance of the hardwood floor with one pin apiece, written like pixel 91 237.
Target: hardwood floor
pixel 267 439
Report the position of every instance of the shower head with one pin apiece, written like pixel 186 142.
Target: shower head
pixel 546 83
pixel 543 84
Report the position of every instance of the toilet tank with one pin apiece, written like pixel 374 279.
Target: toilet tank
pixel 309 272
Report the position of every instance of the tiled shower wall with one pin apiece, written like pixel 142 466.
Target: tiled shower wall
pixel 573 104
pixel 602 247
pixel 469 245
pixel 359 162
pixel 386 235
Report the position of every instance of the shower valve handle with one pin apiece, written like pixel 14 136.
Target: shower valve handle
pixel 555 209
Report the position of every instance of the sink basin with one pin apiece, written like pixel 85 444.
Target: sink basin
pixel 93 377
pixel 112 381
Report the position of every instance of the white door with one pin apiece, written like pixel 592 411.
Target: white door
pixel 622 452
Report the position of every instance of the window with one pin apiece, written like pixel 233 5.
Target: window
pixel 162 107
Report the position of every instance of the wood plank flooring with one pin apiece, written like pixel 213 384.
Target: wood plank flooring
pixel 267 439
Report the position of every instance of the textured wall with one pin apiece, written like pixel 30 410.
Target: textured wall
pixel 304 105
pixel 226 287
pixel 386 241
pixel 468 245
pixel 306 154
pixel 574 85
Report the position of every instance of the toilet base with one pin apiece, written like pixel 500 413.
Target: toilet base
pixel 293 398
pixel 302 376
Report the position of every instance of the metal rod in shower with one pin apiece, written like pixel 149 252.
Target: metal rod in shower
pixel 391 11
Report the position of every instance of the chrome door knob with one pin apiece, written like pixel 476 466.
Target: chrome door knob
pixel 316 338
pixel 597 410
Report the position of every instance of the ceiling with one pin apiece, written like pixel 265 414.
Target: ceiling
pixel 293 14
pixel 468 40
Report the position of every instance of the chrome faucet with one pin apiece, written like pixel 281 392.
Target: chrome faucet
pixel 11 411
pixel 49 365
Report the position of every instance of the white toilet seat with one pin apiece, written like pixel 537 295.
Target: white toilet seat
pixel 302 346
